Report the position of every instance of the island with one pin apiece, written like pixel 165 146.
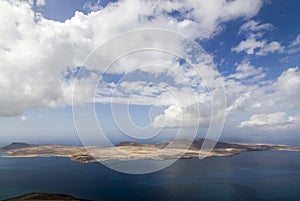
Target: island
pixel 125 151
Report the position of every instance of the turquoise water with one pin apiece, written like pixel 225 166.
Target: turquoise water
pixel 270 175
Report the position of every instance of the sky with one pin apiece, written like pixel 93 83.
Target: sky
pixel 221 69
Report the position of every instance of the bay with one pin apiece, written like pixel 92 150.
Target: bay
pixel 264 175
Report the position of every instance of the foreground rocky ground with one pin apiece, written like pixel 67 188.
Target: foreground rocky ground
pixel 135 151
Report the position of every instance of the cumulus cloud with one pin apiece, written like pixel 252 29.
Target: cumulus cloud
pixel 288 85
pixel 23 117
pixel 253 26
pixel 269 103
pixel 294 46
pixel 270 95
pixel 93 6
pixel 39 60
pixel 292 51
pixel 209 15
pixel 277 120
pixel 244 98
pixel 43 77
pixel 37 2
pixel 36 52
pixel 254 44
pixel 238 103
pixel 245 71
pixel 188 116
pixel 296 41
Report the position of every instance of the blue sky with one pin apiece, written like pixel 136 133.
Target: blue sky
pixel 282 14
pixel 258 63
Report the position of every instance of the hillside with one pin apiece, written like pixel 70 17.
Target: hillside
pixel 17 145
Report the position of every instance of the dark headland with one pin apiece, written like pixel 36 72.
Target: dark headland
pixel 17 145
pixel 44 196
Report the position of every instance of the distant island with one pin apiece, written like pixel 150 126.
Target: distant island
pixel 125 151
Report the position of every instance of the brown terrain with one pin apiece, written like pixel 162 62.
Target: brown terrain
pixel 135 151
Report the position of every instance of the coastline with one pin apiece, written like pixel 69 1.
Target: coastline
pixel 127 151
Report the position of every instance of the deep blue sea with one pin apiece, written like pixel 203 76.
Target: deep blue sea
pixel 253 176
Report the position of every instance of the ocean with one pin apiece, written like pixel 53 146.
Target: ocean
pixel 253 176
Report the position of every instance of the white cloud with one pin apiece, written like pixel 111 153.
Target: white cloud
pixel 294 47
pixel 238 103
pixel 37 2
pixel 296 41
pixel 23 117
pixel 246 71
pixel 270 103
pixel 271 95
pixel 292 51
pixel 270 48
pixel 35 51
pixel 277 120
pixel 252 26
pixel 209 15
pixel 93 6
pixel 36 78
pixel 288 85
pixel 189 116
pixel 40 2
pixel 252 45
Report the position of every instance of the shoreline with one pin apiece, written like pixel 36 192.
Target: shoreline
pixel 129 151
